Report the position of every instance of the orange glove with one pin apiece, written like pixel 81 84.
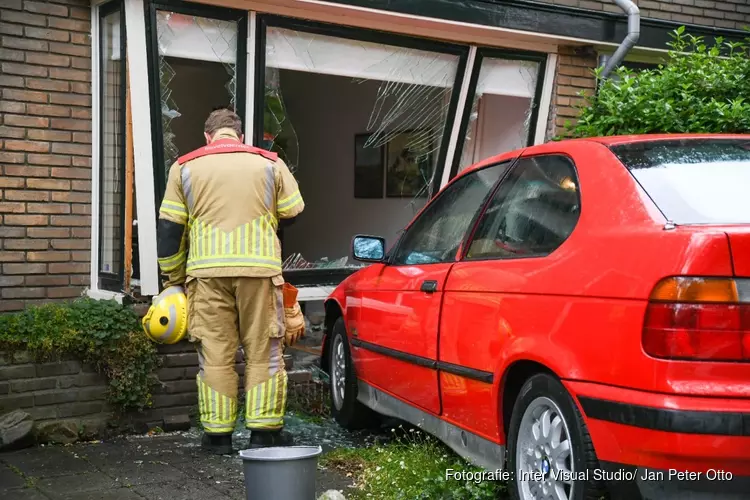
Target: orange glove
pixel 295 320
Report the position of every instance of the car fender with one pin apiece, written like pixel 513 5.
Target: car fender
pixel 530 351
pixel 562 363
pixel 333 305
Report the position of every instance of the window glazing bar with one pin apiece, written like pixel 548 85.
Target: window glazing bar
pixel 460 110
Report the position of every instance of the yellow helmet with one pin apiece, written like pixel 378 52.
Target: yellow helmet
pixel 166 319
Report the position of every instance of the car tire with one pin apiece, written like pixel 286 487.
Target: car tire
pixel 543 403
pixel 346 410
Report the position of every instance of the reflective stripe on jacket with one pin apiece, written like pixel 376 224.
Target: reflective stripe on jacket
pixel 228 198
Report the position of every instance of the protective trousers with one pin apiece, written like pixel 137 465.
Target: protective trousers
pixel 222 314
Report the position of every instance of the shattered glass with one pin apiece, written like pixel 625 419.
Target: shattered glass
pixel 395 98
pixel 501 109
pixel 417 109
pixel 408 115
pixel 279 134
pixel 297 261
pixel 197 38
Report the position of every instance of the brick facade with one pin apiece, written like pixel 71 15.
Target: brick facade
pixel 45 134
pixel 574 74
pixel 733 14
pixel 574 68
pixel 45 150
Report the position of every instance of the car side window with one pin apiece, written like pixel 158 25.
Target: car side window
pixel 438 232
pixel 532 212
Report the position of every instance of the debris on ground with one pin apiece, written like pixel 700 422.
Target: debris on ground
pixel 156 466
pixel 411 464
pixel 16 430
pixel 58 432
pixel 332 495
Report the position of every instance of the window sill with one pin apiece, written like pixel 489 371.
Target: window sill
pixel 104 295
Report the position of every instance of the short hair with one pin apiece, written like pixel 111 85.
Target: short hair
pixel 222 118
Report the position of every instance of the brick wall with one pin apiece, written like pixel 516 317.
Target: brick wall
pixel 574 74
pixel 733 14
pixel 51 391
pixel 66 391
pixel 45 150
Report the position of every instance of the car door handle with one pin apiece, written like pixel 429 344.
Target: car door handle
pixel 429 286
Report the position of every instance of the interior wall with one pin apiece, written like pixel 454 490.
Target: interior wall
pixel 500 127
pixel 502 124
pixel 197 88
pixel 327 112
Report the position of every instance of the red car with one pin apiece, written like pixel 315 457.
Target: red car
pixel 575 313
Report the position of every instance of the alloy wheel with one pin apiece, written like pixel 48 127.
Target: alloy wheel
pixel 338 372
pixel 544 453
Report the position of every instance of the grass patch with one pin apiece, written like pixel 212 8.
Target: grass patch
pixel 412 466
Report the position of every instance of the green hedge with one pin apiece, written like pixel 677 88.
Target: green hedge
pixel 699 88
pixel 103 334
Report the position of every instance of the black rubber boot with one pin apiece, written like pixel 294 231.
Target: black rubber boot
pixel 265 439
pixel 217 444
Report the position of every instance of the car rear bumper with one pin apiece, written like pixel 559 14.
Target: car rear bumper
pixel 674 435
pixel 627 482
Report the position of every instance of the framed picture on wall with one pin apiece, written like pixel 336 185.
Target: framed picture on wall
pixel 368 168
pixel 409 164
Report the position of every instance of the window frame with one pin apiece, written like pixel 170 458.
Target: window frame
pixel 506 178
pixel 391 255
pixel 112 282
pixel 264 21
pixel 508 54
pixel 154 82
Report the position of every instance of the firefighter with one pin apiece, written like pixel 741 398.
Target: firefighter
pixel 217 237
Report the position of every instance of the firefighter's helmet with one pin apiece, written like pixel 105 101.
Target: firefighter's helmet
pixel 166 319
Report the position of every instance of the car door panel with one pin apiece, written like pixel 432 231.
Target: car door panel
pixel 465 341
pixel 531 214
pixel 403 319
pixel 397 342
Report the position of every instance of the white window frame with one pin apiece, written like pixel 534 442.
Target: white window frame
pixel 252 29
pixel 140 110
pixel 144 181
pixel 545 101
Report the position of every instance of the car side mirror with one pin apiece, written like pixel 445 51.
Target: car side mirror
pixel 368 248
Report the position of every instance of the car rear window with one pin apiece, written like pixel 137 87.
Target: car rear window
pixel 693 181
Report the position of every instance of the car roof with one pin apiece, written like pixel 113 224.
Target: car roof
pixel 629 139
pixel 614 140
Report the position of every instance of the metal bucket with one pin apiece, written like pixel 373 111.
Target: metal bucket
pixel 286 472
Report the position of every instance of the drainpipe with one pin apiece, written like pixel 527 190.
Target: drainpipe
pixel 634 32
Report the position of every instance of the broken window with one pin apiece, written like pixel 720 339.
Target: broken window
pixel 342 111
pixel 112 146
pixel 501 108
pixel 197 73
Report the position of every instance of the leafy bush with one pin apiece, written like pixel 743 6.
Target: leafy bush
pixel 100 333
pixel 698 89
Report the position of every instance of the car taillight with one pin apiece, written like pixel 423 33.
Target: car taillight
pixel 698 319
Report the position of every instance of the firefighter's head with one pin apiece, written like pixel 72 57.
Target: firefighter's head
pixel 223 119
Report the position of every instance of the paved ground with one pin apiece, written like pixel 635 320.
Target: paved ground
pixel 169 467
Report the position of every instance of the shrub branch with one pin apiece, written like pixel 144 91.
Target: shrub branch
pixel 699 88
